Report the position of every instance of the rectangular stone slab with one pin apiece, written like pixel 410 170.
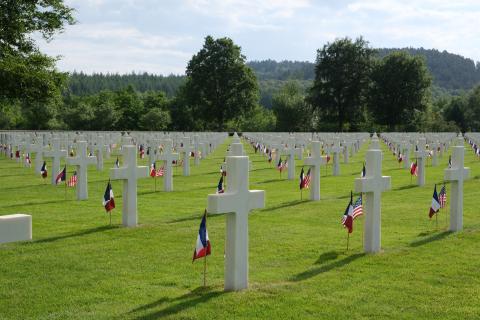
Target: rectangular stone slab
pixel 15 227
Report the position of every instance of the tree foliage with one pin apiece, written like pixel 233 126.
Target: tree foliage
pixel 399 86
pixel 219 86
pixel 291 110
pixel 341 82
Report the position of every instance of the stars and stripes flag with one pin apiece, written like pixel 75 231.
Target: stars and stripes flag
pixel 72 182
pixel 347 219
pixel 442 197
pixel 449 161
pixel 61 176
pixel 363 173
pixel 202 247
pixel 270 156
pixel 43 170
pixel 358 207
pixel 414 169
pixel 400 158
pixel 307 179
pixel 220 185
pixel 117 163
pixel 435 206
pixel 160 171
pixel 328 157
pixel 154 172
pixel 108 200
pixel 17 154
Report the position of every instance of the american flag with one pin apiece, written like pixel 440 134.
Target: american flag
pixel 442 196
pixel 160 171
pixel 306 180
pixel 357 207
pixel 72 182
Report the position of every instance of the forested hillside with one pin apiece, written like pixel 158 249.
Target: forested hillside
pixel 451 73
pixel 81 84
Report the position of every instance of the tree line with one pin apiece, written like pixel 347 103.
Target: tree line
pixel 351 87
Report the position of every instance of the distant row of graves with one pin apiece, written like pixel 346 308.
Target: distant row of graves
pixel 83 149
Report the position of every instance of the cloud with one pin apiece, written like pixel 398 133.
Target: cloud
pixel 160 37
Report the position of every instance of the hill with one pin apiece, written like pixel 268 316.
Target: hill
pixel 451 73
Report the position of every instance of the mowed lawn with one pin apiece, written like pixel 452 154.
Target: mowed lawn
pixel 80 267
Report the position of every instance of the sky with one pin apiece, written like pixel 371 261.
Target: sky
pixel 160 36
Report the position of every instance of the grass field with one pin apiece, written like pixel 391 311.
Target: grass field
pixel 80 267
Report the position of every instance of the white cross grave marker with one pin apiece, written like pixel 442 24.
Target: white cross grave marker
pixel 457 174
pixel 291 151
pixel 82 160
pixel 373 184
pixel 129 173
pixel 168 156
pixel 336 149
pixel 315 160
pixel 237 201
pixel 56 154
pixel 185 150
pixel 421 156
pixel 37 148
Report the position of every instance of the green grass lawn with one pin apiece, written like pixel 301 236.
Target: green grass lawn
pixel 80 267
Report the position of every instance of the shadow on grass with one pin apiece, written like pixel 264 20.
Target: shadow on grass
pixel 410 186
pixel 285 205
pixel 193 218
pixel 176 305
pixel 75 234
pixel 326 267
pixel 272 181
pixel 435 237
pixel 13 175
pixel 34 203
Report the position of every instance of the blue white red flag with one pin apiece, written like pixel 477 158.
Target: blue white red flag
pixel 202 248
pixel 435 203
pixel 108 200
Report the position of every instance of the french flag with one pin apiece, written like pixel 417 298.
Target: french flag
pixel 108 200
pixel 202 247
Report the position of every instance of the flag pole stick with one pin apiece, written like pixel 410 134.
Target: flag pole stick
pixel 348 238
pixel 205 258
pixel 301 194
pixel 155 179
pixel 110 212
pixel 436 220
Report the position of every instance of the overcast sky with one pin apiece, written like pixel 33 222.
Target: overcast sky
pixel 161 36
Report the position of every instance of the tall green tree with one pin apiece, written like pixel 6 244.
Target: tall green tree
pixel 341 81
pixel 130 108
pixel 400 86
pixel 290 109
pixel 219 86
pixel 25 73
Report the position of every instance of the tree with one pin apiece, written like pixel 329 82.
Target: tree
pixel 341 81
pixel 400 85
pixel 155 120
pixel 130 108
pixel 25 73
pixel 219 85
pixel 105 113
pixel 455 111
pixel 290 109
